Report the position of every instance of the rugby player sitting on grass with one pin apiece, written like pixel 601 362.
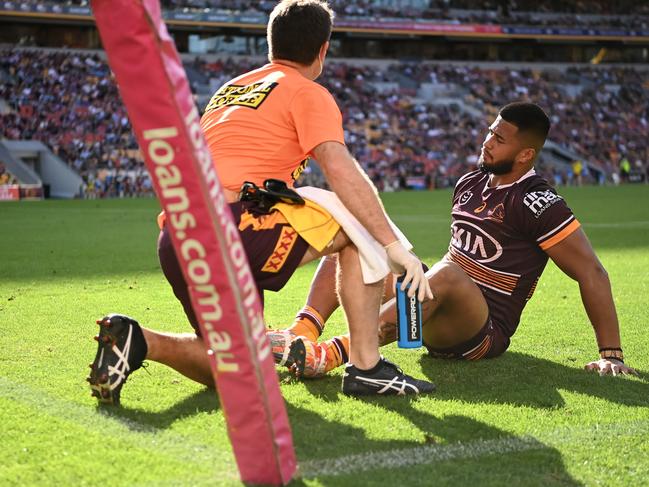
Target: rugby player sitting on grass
pixel 506 222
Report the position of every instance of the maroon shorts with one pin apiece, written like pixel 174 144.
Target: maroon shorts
pixel 273 247
pixel 489 342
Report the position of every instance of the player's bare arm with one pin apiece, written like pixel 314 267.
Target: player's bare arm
pixel 575 257
pixel 359 196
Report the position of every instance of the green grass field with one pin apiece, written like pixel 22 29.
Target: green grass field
pixel 531 417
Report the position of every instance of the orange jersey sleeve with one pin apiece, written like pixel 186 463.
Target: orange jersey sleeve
pixel 265 123
pixel 317 117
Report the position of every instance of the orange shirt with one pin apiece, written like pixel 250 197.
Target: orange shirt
pixel 265 123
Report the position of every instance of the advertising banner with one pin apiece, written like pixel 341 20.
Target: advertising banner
pixel 9 192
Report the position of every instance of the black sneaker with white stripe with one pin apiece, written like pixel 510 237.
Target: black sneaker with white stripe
pixel 121 350
pixel 384 379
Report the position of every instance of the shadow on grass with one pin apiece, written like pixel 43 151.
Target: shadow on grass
pixel 524 380
pixel 203 401
pixel 456 450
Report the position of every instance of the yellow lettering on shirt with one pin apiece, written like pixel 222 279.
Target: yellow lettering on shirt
pixel 251 96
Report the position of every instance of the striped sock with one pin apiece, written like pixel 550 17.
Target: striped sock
pixel 337 352
pixel 308 323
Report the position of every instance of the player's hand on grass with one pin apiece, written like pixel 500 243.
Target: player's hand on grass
pixel 403 261
pixel 610 366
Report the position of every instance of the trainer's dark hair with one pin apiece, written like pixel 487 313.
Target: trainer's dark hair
pixel 297 29
pixel 529 118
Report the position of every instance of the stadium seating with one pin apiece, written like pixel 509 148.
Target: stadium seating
pixel 70 103
pixel 402 136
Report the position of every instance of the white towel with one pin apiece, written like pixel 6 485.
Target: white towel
pixel 374 259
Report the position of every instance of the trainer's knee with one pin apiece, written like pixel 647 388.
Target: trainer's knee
pixel 338 243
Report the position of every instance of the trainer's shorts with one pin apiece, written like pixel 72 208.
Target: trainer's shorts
pixel 273 247
pixel 489 342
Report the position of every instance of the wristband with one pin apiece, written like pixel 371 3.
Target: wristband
pixel 611 353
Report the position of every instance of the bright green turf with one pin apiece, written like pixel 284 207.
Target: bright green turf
pixel 66 263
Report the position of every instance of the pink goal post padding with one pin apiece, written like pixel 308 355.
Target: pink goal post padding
pixel 156 93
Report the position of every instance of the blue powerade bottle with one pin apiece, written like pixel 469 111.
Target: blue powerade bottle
pixel 409 318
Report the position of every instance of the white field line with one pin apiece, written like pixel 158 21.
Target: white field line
pixel 408 457
pixel 127 431
pixel 183 448
pixel 430 454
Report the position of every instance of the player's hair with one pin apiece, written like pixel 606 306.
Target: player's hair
pixel 297 29
pixel 529 118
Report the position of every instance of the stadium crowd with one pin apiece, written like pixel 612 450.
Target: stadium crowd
pixel 625 14
pixel 600 114
pixel 70 102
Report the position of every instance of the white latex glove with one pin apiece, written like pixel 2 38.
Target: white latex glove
pixel 401 260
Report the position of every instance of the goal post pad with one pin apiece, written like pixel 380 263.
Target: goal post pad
pixel 154 88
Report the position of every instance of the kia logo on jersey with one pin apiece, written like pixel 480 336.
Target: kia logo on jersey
pixel 475 242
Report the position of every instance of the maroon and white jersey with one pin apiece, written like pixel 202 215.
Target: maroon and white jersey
pixel 499 236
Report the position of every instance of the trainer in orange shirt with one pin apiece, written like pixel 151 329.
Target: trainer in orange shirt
pixel 265 124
